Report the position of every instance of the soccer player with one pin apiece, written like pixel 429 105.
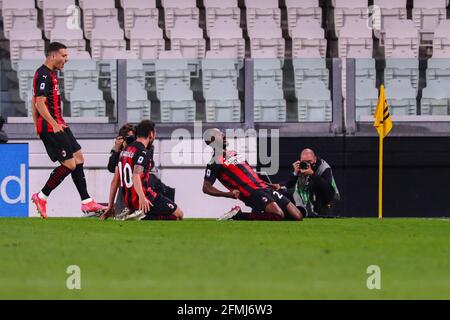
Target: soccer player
pixel 133 175
pixel 58 140
pixel 234 172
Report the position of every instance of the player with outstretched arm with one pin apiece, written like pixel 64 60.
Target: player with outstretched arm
pixel 243 183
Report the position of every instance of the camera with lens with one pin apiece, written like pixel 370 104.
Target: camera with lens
pixel 129 139
pixel 304 165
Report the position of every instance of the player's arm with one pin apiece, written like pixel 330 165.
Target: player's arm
pixel 114 186
pixel 209 189
pixel 144 203
pixel 39 101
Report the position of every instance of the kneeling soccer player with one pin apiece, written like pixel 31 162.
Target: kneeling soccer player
pixel 133 174
pixel 243 183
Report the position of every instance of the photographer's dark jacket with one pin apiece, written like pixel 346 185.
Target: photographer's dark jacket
pixel 3 137
pixel 317 190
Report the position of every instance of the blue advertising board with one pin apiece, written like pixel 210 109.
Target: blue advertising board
pixel 14 198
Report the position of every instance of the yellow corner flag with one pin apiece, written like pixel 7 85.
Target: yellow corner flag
pixel 383 121
pixel 383 124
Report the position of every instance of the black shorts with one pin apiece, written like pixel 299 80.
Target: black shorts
pixel 260 198
pixel 60 146
pixel 161 206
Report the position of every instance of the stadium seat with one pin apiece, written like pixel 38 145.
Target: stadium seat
pixel 146 39
pixel 177 102
pixel 314 102
pixel 72 38
pixel 213 69
pixel 138 105
pixel 268 69
pixel 187 37
pixel 135 74
pixel 436 98
pixel 365 69
pixel 269 103
pixel 391 10
pixel 310 69
pixel 441 40
pixel 302 10
pixel 309 34
pixel 135 10
pixel 345 10
pixel 267 35
pixel 176 11
pixel 438 69
pixel 86 100
pixel 427 14
pixel 56 15
pixel 24 41
pixel 226 35
pixel 354 35
pixel 175 69
pixel 26 70
pixel 401 39
pixel 401 97
pixel 107 36
pixel 262 10
pixel 221 10
pixel 307 53
pixel 407 69
pixel 79 70
pixel 222 101
pixel 366 97
pixel 18 13
pixel 96 12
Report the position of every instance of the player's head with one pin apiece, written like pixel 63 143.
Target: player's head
pixel 215 139
pixel 308 155
pixel 56 54
pixel 128 133
pixel 146 130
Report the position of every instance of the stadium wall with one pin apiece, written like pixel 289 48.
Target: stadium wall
pixel 416 176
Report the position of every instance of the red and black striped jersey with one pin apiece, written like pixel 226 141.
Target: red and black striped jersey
pixel 234 172
pixel 132 155
pixel 45 84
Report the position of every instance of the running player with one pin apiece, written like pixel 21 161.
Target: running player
pixel 57 137
pixel 234 172
pixel 133 175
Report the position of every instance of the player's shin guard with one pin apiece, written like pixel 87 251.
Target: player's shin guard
pixel 56 177
pixel 257 216
pixel 80 181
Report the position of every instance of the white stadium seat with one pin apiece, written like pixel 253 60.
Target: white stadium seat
pixel 310 69
pixel 366 98
pixel 136 10
pixel 401 97
pixel 349 9
pixel 302 10
pixel 220 9
pixel 436 98
pixel 401 39
pixel 222 101
pixel 262 10
pixel 309 34
pixel 438 69
pixel 57 15
pixel 391 10
pixel 107 37
pixel 24 40
pixel 176 11
pixel 226 35
pixel 86 100
pixel 213 69
pixel 187 37
pixel 269 103
pixel 146 39
pixel 441 41
pixel 354 35
pixel 407 69
pixel 177 102
pixel 138 105
pixel 265 35
pixel 167 69
pixel 268 69
pixel 18 13
pixel 72 38
pixel 427 14
pixel 314 102
pixel 95 12
pixel 26 70
pixel 79 70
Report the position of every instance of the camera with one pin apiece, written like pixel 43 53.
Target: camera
pixel 129 139
pixel 304 165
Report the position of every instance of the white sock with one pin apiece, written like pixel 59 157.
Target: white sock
pixel 42 196
pixel 88 200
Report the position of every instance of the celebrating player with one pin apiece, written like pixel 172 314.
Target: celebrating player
pixel 57 137
pixel 133 175
pixel 243 183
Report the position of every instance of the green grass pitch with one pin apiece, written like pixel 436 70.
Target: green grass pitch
pixel 205 259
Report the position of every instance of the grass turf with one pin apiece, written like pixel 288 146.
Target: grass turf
pixel 204 259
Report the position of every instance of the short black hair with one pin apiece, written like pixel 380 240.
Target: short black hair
pixel 123 132
pixel 53 47
pixel 144 128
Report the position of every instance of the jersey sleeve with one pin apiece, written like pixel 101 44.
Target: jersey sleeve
pixel 42 83
pixel 142 158
pixel 211 172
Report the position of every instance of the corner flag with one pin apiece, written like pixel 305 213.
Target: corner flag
pixel 383 121
pixel 383 124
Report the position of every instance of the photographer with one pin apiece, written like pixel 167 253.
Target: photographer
pixel 125 137
pixel 313 185
pixel 3 136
